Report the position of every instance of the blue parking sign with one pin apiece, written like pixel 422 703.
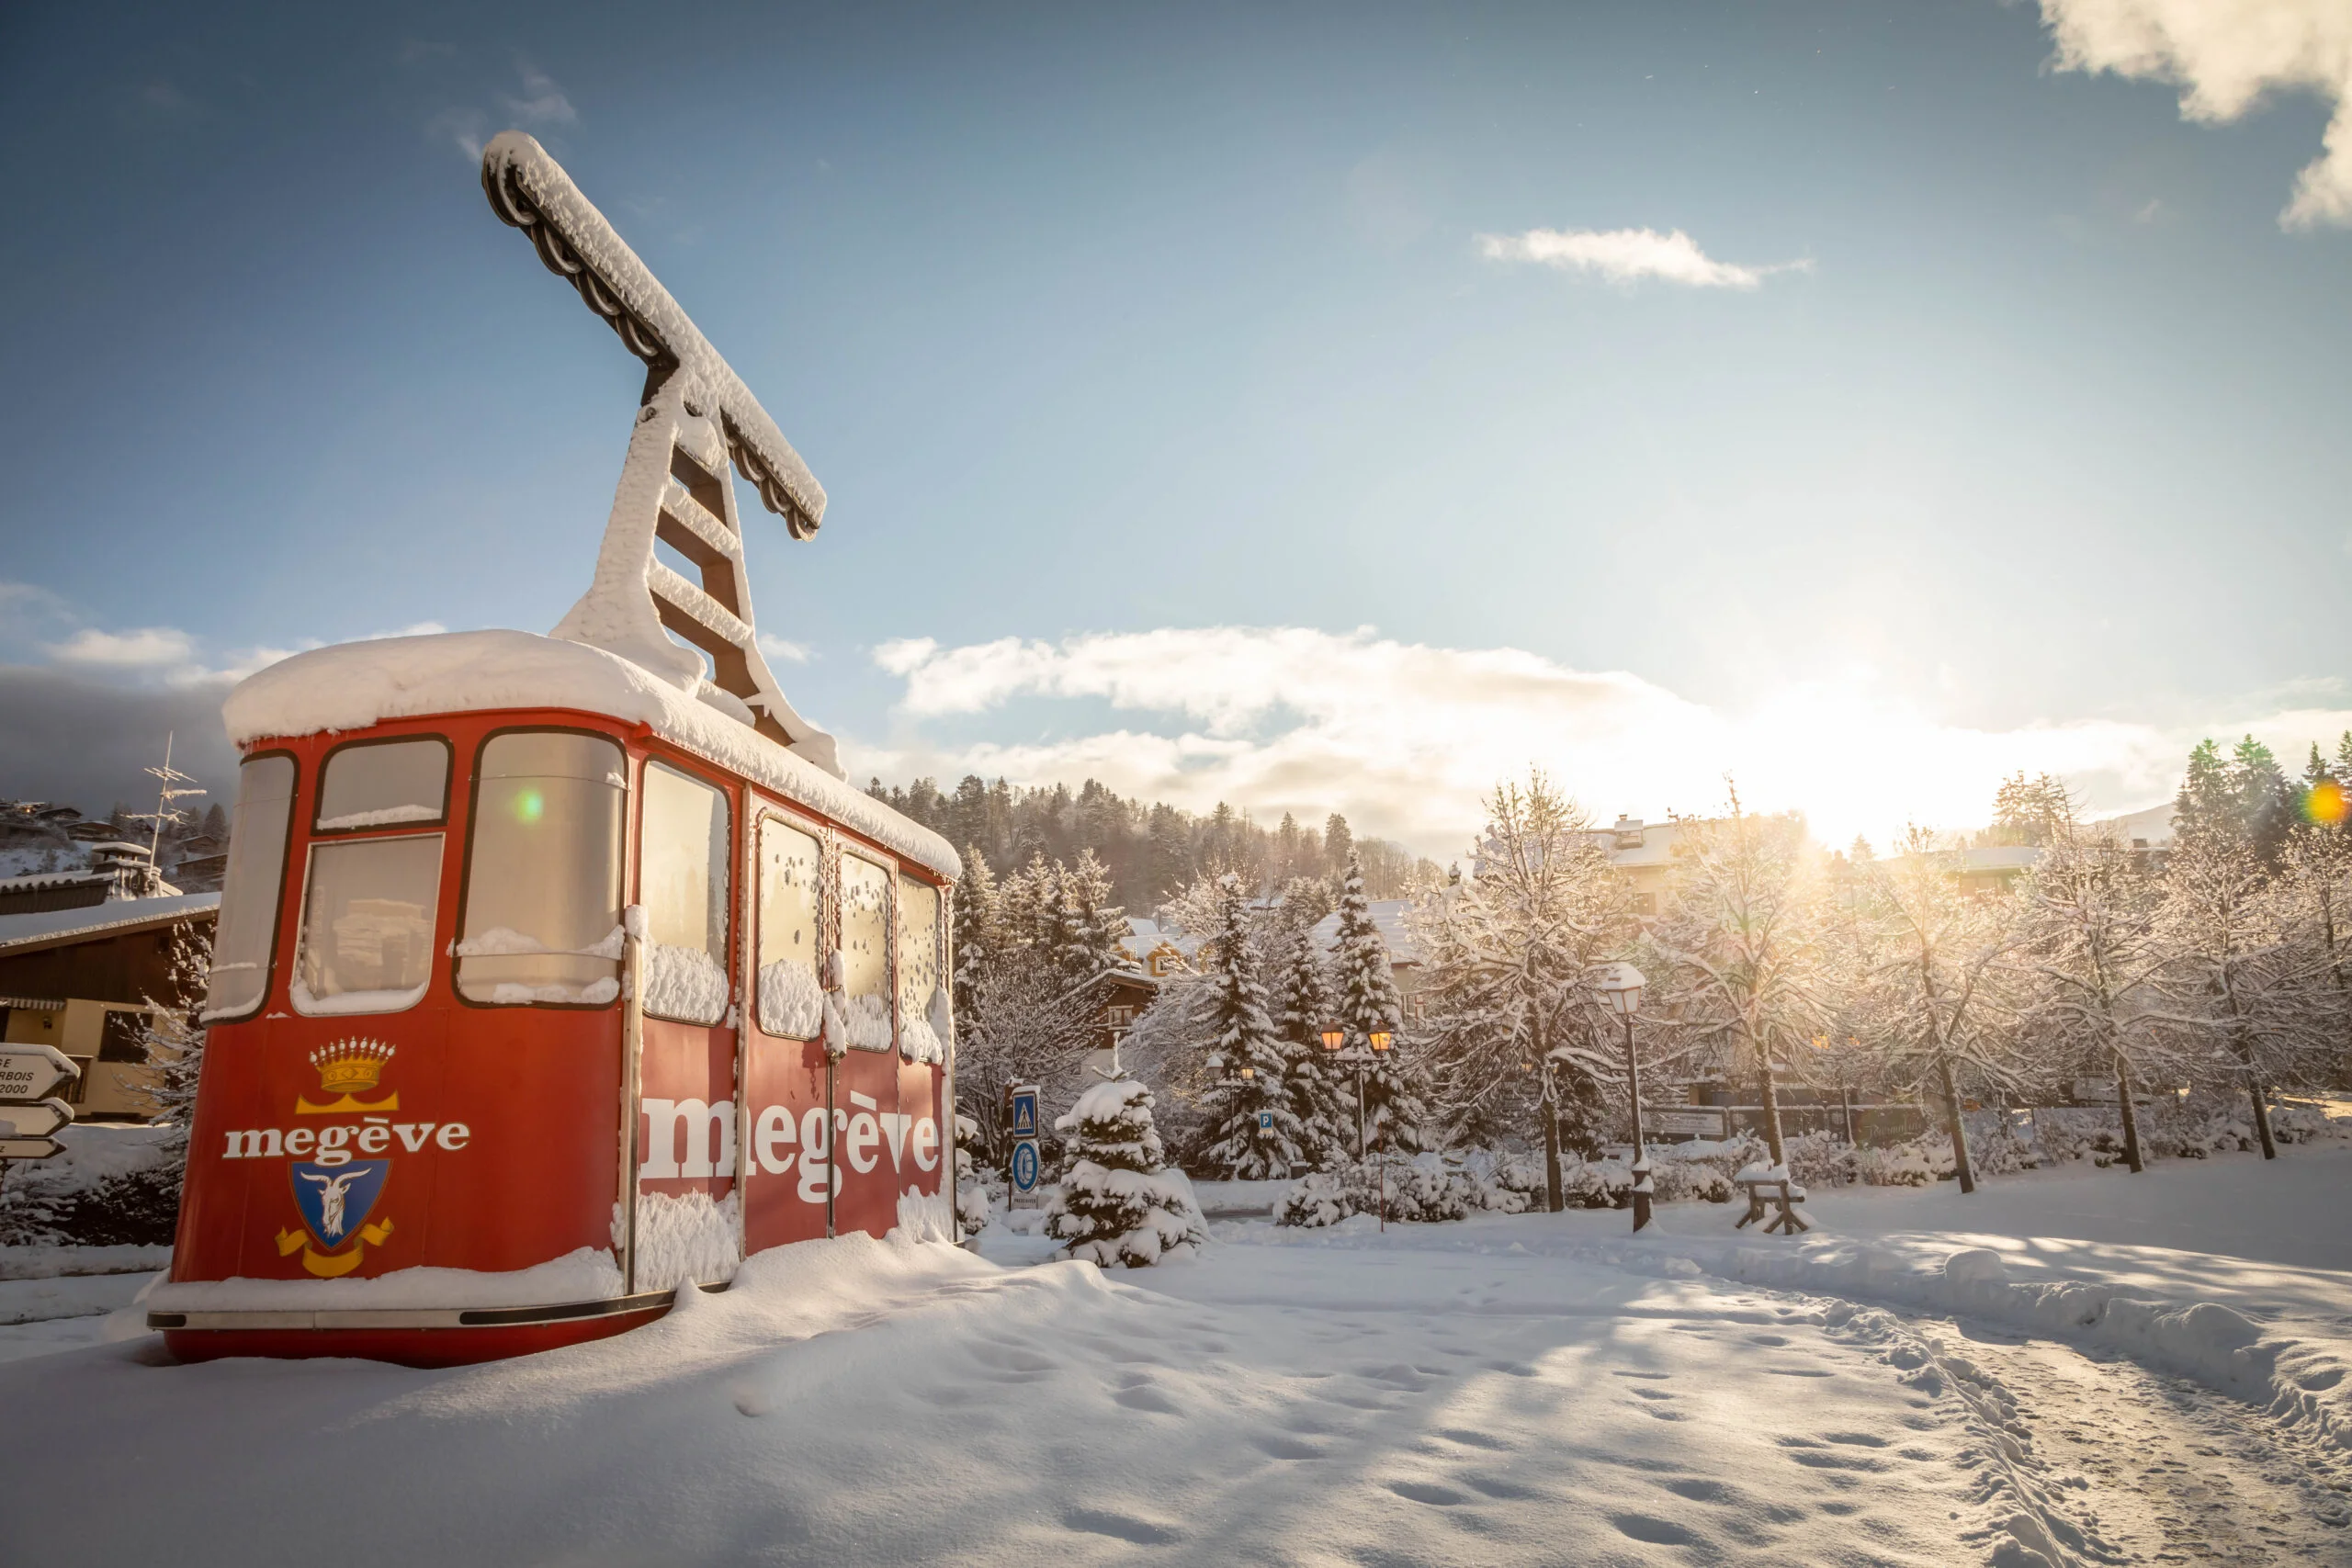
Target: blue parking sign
pixel 1266 1120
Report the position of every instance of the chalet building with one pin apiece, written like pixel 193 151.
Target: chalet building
pixel 81 978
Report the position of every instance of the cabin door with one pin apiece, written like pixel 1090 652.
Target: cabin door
pixel 787 1115
pixel 685 1225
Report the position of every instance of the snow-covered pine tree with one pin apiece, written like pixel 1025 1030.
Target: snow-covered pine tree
pixel 1303 1007
pixel 1089 930
pixel 1366 1001
pixel 1118 1201
pixel 977 917
pixel 1255 1132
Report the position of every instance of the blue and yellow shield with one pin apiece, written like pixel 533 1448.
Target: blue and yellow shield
pixel 335 1199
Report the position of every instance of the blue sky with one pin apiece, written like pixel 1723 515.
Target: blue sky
pixel 1182 346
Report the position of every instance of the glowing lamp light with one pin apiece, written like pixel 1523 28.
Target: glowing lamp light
pixel 1381 1039
pixel 1334 1037
pixel 1248 1072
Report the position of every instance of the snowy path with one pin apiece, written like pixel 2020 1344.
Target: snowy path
pixel 2169 1471
pixel 1532 1390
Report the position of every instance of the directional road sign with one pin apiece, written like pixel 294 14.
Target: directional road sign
pixel 34 1121
pixel 29 1072
pixel 29 1149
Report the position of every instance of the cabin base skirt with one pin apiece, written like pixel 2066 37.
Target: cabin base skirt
pixel 425 1338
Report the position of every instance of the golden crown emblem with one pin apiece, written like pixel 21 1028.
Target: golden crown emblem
pixel 351 1067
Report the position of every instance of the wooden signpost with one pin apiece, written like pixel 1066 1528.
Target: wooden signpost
pixel 27 1114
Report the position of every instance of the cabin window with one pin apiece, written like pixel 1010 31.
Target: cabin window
pixel 367 943
pixel 248 933
pixel 792 1004
pixel 866 954
pixel 681 881
pixel 918 967
pixel 384 783
pixel 543 874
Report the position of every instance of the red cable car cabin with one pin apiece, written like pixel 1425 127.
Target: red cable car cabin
pixel 556 973
pixel 485 971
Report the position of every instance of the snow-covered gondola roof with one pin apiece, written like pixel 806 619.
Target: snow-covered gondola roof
pixel 354 685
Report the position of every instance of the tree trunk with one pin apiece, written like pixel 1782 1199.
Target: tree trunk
pixel 2131 1119
pixel 1771 1111
pixel 1552 1198
pixel 2261 1092
pixel 1958 1127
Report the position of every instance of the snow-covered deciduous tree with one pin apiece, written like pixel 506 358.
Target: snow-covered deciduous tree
pixel 1747 979
pixel 2242 1003
pixel 1512 1023
pixel 1255 1132
pixel 2089 961
pixel 174 1041
pixel 1118 1201
pixel 1930 984
pixel 1364 1000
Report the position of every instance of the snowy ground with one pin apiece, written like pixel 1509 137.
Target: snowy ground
pixel 1540 1389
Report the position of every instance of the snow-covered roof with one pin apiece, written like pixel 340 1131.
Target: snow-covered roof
pixel 1389 918
pixel 51 926
pixel 530 190
pixel 2154 826
pixel 354 685
pixel 1144 935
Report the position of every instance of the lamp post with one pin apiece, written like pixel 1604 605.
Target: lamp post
pixel 1380 1039
pixel 1620 986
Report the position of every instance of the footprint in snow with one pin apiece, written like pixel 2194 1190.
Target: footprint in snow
pixel 1421 1492
pixel 1649 1394
pixel 1470 1439
pixel 1279 1446
pixel 1120 1527
pixel 1656 1532
pixel 1146 1398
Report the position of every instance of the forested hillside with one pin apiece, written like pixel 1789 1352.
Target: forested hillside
pixel 1151 850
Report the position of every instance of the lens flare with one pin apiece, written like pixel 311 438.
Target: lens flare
pixel 2328 803
pixel 530 805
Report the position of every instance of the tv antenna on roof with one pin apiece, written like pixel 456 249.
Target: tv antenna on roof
pixel 696 415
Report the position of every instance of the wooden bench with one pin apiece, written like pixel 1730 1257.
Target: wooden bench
pixel 1778 1192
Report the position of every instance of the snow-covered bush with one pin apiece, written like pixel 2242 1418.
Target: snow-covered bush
pixel 111 1187
pixel 1119 1202
pixel 1424 1189
pixel 976 1197
pixel 1821 1160
pixel 1900 1165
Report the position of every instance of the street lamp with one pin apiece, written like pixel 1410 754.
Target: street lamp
pixel 1620 986
pixel 1335 1035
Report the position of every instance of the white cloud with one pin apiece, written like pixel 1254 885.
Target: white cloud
pixel 1628 255
pixel 2227 56
pixel 777 646
pixel 1406 738
pixel 545 103
pixel 148 648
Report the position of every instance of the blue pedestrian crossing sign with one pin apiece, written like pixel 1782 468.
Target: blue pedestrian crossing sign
pixel 1025 1167
pixel 1266 1120
pixel 1024 1111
